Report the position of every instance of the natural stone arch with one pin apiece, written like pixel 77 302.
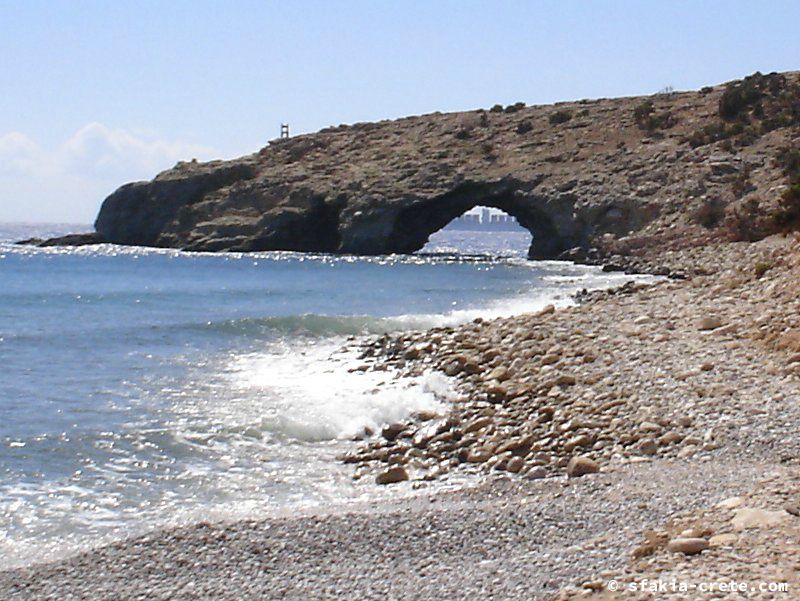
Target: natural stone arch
pixel 407 228
pixel 195 214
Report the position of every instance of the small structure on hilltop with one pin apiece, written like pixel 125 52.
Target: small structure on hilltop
pixel 284 131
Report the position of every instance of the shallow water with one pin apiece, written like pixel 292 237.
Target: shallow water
pixel 144 387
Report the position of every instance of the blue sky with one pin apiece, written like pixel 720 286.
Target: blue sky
pixel 97 93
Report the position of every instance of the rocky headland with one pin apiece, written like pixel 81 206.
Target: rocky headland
pixel 590 179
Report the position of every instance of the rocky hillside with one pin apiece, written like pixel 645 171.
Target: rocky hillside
pixel 627 175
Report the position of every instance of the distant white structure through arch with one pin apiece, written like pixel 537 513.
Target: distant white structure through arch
pixel 482 218
pixel 481 231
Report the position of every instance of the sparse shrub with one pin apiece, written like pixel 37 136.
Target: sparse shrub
pixel 741 184
pixel 762 96
pixel 664 120
pixel 761 269
pixel 750 108
pixel 695 139
pixel 738 96
pixel 560 116
pixel 524 127
pixel 642 112
pixel 647 119
pixel 497 108
pixel 706 90
pixel 297 148
pixel 748 223
pixel 513 108
pixel 713 133
pixel 463 133
pixel 787 216
pixel 748 136
pixel 484 119
pixel 788 160
pixel 710 214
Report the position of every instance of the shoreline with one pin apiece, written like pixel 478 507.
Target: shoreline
pixel 654 358
pixel 535 536
pixel 33 554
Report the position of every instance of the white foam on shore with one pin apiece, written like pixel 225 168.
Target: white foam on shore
pixel 316 392
pixel 560 293
pixel 312 395
pixel 258 437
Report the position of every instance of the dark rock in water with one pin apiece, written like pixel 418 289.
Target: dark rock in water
pixel 576 254
pixel 380 188
pixel 68 240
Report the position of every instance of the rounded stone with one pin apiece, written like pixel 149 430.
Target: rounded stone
pixel 478 456
pixel 392 431
pixel 392 475
pixel 581 465
pixel 709 322
pixel 515 464
pixel 536 473
pixel 688 546
pixel 647 446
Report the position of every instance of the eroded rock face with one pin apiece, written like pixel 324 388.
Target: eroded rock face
pixel 596 178
pixel 193 213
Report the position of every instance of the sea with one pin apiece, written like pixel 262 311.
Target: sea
pixel 144 388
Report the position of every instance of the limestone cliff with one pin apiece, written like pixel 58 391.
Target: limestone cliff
pixel 628 172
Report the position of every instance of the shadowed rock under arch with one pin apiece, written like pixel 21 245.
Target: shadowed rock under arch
pixel 407 229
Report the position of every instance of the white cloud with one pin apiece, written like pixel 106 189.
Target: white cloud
pixel 18 154
pixel 96 148
pixel 67 183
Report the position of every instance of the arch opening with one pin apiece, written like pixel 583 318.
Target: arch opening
pixel 481 230
pixel 549 224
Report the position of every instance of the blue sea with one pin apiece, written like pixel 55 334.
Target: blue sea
pixel 143 388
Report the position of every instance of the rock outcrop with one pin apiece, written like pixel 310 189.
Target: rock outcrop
pixel 68 240
pixel 627 172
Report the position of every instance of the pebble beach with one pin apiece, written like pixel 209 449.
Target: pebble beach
pixel 596 440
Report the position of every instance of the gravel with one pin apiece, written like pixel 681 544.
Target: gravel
pixel 505 539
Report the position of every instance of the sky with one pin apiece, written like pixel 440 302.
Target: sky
pixel 99 93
